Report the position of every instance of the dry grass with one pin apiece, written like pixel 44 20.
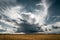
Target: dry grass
pixel 29 37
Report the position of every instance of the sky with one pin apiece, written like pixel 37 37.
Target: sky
pixel 29 16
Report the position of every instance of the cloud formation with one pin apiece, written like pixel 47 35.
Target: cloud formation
pixel 27 16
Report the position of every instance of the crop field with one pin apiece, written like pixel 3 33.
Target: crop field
pixel 29 37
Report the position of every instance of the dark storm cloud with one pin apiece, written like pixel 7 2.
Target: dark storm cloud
pixel 29 28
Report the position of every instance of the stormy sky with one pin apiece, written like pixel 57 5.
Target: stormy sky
pixel 29 16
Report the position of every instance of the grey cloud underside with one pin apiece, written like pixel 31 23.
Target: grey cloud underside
pixel 25 26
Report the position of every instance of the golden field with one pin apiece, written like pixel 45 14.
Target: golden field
pixel 29 37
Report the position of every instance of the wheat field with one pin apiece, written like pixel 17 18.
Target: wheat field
pixel 29 37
